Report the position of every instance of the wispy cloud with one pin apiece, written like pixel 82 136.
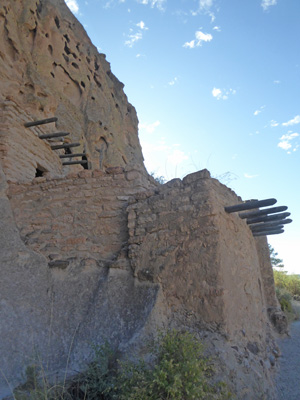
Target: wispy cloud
pixel 200 38
pixel 177 157
pixel 286 142
pixel 133 38
pixel 173 81
pixel 142 26
pixel 160 4
pixel 294 121
pixel 248 176
pixel 273 123
pixel 149 128
pixel 277 82
pixel 217 28
pixel 222 94
pixel 259 110
pixel 73 6
pixel 268 3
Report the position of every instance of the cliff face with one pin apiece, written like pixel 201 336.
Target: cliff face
pixel 49 67
pixel 106 253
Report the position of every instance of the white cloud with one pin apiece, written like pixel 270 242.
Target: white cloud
pixel 149 128
pixel 154 3
pixel 133 38
pixel 273 123
pixel 248 176
pixel 294 121
pixel 205 4
pixel 177 157
pixel 285 142
pixel 173 81
pixel 142 25
pixel 200 38
pixel 276 82
pixel 259 110
pixel 221 94
pixel 73 6
pixel 217 28
pixel 267 3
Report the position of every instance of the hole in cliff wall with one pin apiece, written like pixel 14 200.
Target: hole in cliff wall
pixel 85 166
pixel 40 171
pixel 67 49
pixel 97 81
pixel 88 77
pixel 67 38
pixel 52 74
pixel 50 49
pixel 82 84
pixel 56 20
pixel 47 35
pixel 39 7
pixel 77 46
pixel 75 65
pixel 66 58
pixel 96 65
pixel 68 150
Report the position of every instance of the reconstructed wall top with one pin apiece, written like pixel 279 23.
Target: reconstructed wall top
pixel 49 67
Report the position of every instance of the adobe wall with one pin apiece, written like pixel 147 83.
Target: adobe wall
pixel 98 256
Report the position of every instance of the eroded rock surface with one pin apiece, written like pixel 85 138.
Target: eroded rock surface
pixel 49 67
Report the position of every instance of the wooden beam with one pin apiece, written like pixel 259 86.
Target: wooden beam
pixel 266 233
pixel 64 146
pixel 248 205
pixel 54 135
pixel 40 122
pixel 267 228
pixel 258 213
pixel 72 155
pixel 270 224
pixel 275 217
pixel 74 162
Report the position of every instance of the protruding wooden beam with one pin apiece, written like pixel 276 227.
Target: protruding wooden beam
pixel 267 228
pixel 74 162
pixel 64 146
pixel 274 217
pixel 72 155
pixel 54 135
pixel 270 224
pixel 249 205
pixel 266 211
pixel 267 233
pixel 40 122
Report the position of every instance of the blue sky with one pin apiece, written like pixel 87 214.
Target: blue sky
pixel 216 85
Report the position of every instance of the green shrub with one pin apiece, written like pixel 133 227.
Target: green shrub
pixel 285 299
pixel 180 372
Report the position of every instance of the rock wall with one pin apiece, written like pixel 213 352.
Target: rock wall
pixel 49 67
pixel 98 256
pixel 107 253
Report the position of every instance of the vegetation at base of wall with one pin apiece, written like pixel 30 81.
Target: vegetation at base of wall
pixel 287 287
pixel 178 371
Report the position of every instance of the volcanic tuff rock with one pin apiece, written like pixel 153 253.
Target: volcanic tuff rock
pixel 49 67
pixel 107 252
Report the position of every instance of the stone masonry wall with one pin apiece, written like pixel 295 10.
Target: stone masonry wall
pixel 81 216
